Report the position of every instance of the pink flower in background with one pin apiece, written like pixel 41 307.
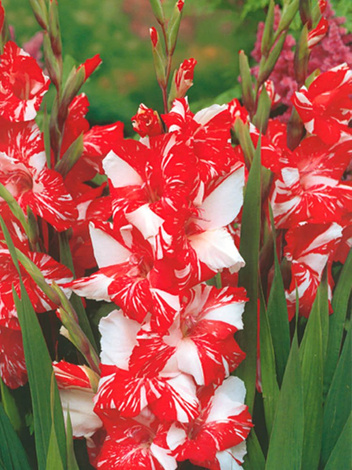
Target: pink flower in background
pixel 33 47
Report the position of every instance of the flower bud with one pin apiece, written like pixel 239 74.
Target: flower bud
pixel 246 82
pixel 158 10
pixel 261 117
pixel 301 57
pixel 159 58
pixel 318 33
pixel 70 157
pixel 270 89
pixel 40 13
pixel 288 13
pixel 268 30
pixel 173 26
pixel 147 122
pixel 184 77
pixel 51 63
pixel 54 28
pixel 266 67
pixel 37 276
pixel 305 11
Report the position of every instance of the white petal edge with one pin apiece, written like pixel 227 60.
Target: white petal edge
pixel 107 250
pixel 145 220
pixel 228 400
pixel 224 203
pixel 79 403
pixel 120 172
pixel 118 338
pixel 217 249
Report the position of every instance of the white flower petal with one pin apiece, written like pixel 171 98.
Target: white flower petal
pixel 145 220
pixel 205 115
pixel 79 403
pixel 107 250
pixel 163 457
pixel 175 437
pixel 217 249
pixel 224 203
pixel 119 337
pixel 120 172
pixel 230 314
pixel 188 360
pixel 228 400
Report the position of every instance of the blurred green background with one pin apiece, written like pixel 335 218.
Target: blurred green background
pixel 212 31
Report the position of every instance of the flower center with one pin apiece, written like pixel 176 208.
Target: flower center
pixel 18 182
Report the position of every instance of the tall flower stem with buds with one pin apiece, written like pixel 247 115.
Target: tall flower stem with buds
pixel 163 58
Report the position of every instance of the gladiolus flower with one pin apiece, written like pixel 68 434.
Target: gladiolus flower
pixel 22 84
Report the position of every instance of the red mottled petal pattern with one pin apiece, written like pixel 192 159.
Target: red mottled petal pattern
pixel 170 398
pixel 326 107
pixel 71 375
pixel 23 84
pixel 309 248
pixel 90 65
pixel 12 363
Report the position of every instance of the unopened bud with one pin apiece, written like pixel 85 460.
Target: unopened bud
pixel 305 11
pixel 301 57
pixel 174 25
pixel 184 77
pixel 261 117
pixel 158 11
pixel 159 58
pixel 54 28
pixel 318 33
pixel 147 122
pixel 246 82
pixel 70 157
pixel 268 30
pixel 40 13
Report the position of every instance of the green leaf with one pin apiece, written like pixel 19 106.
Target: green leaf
pixel 66 259
pixel 10 406
pixel 337 319
pixel 14 207
pixel 341 455
pixel 12 453
pixel 70 157
pixel 278 315
pixel 286 439
pixel 53 461
pixel 268 370
pixel 39 369
pixel 311 356
pixel 254 459
pixel 338 401
pixel 71 458
pixel 248 277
